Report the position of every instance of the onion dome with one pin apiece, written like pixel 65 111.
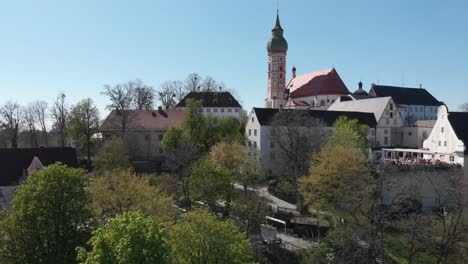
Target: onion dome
pixel 277 42
pixel 360 91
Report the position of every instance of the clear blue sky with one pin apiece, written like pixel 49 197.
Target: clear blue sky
pixel 78 46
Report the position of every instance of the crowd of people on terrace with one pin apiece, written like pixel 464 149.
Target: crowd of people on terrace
pixel 419 161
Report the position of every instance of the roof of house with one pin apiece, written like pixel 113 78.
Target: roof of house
pixel 211 99
pixel 13 161
pixel 404 95
pixel 145 119
pixel 459 123
pixel 266 115
pixel 317 83
pixel 371 105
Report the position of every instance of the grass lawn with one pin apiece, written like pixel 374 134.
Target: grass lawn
pixel 397 246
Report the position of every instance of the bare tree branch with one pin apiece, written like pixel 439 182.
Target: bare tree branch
pixel 192 82
pixel 29 117
pixel 11 113
pixel 40 111
pixel 59 113
pixel 171 92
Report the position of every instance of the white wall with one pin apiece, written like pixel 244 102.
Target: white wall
pixel 418 112
pixel 319 101
pixel 388 132
pixel 267 149
pixel 235 112
pixel 414 137
pixel 443 141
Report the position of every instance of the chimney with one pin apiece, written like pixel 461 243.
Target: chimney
pixel 360 85
pixel 420 86
pixel 294 72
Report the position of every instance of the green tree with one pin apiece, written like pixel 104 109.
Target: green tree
pixel 194 124
pixel 252 210
pixel 130 238
pixel 50 218
pixel 116 192
pixel 212 184
pixel 338 176
pixel 215 178
pixel 235 158
pixel 348 132
pixel 83 123
pixel 113 155
pixel 200 238
pixel 181 155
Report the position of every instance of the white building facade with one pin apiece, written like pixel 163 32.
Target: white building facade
pixel 447 139
pixel 389 121
pixel 413 103
pixel 216 104
pixel 262 137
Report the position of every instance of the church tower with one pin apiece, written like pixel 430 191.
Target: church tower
pixel 277 49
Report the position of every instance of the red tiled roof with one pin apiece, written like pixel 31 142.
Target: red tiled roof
pixel 146 119
pixel 317 83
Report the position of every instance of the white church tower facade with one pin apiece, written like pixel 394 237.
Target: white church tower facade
pixel 277 49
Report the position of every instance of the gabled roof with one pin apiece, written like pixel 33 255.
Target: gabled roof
pixel 145 119
pixel 459 123
pixel 317 83
pixel 404 95
pixel 372 105
pixel 14 161
pixel 36 164
pixel 266 115
pixel 211 99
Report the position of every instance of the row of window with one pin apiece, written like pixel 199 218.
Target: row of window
pixel 389 113
pixel 254 144
pixel 440 143
pixel 222 110
pixel 387 121
pixel 255 131
pixel 275 76
pixel 442 157
pixel 276 58
pixel 275 67
pixel 421 109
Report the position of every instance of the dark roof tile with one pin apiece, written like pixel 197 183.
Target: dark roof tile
pixel 404 95
pixel 459 122
pixel 211 99
pixel 265 116
pixel 14 161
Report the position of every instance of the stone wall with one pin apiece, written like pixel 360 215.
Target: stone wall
pixel 428 182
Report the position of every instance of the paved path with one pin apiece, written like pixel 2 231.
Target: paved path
pixel 262 191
